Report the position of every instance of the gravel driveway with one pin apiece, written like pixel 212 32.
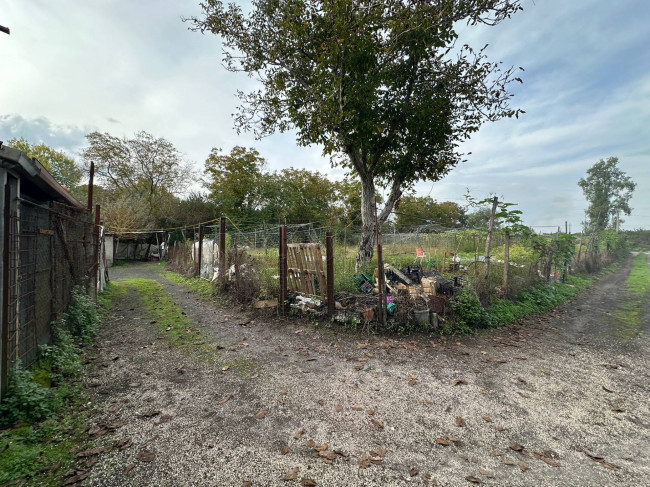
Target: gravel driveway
pixel 558 400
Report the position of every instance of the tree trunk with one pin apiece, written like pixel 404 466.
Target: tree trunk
pixel 488 240
pixel 368 198
pixel 367 243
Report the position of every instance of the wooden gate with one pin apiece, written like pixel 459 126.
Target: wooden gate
pixel 305 269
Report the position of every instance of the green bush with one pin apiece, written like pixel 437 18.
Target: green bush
pixel 466 313
pixel 82 317
pixel 26 401
pixel 63 358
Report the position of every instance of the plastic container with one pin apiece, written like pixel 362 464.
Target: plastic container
pixel 422 316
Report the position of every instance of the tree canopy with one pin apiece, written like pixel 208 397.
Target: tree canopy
pixel 413 211
pixel 608 191
pixel 142 169
pixel 61 166
pixel 383 87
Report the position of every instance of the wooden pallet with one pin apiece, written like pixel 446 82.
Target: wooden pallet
pixel 305 272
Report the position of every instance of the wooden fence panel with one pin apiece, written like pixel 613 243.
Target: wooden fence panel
pixel 305 270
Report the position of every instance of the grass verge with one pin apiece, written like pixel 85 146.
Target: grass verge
pixel 43 410
pixel 631 311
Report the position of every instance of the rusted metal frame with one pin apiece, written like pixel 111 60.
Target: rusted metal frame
pixel 282 264
pixel 329 249
pixel 91 178
pixel 4 380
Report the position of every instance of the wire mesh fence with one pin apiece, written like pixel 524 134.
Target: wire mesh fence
pixel 51 250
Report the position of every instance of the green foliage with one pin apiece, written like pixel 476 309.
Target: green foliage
pixel 63 168
pixel 608 191
pixel 372 83
pixel 26 401
pixel 63 358
pixel 467 312
pixel 414 211
pixel 638 282
pixel 81 317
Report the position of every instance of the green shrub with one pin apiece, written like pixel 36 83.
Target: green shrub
pixel 26 401
pixel 63 358
pixel 82 317
pixel 466 313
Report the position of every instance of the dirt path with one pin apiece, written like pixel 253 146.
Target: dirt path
pixel 519 406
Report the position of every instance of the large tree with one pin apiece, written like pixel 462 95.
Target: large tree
pixel 63 168
pixel 144 167
pixel 416 210
pixel 608 191
pixel 383 87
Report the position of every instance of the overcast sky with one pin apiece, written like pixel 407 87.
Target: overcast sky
pixel 117 66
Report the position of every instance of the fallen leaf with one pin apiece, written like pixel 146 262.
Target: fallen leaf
pixel 545 458
pixel 261 414
pixel 322 447
pixel 284 450
pixel 495 453
pixel 225 367
pixel 329 455
pixel 364 462
pixel 442 441
pixel 124 443
pixel 474 480
pixel 522 466
pixel 165 418
pixel 413 472
pixel 380 452
pixel 224 400
pixel 371 412
pixel 321 402
pixel 128 471
pixel 146 456
pixel 460 422
pixel 487 419
pixel 339 408
pixel 485 473
pixel 516 447
pixel 459 382
pixel 507 462
pixel 357 408
pixel 299 433
pixel 308 482
pixel 377 424
pixel 452 438
pixel 291 474
pixel 248 483
pixel 151 414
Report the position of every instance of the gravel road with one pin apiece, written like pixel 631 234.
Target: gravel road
pixel 560 399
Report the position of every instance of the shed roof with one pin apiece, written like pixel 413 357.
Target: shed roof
pixel 36 173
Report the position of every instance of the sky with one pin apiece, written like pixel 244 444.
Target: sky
pixel 118 66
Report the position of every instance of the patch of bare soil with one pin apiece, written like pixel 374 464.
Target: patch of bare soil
pixel 556 400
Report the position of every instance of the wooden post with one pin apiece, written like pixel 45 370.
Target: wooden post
pixel 222 248
pixel 91 178
pixel 199 252
pixel 329 248
pixel 488 240
pixel 380 268
pixel 6 282
pixel 96 253
pixel 282 264
pixel 506 264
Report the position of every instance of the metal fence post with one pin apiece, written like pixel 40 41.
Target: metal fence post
pixel 283 269
pixel 96 252
pixel 329 248
pixel 222 248
pixel 199 254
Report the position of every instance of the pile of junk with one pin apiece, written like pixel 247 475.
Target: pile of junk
pixel 411 294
